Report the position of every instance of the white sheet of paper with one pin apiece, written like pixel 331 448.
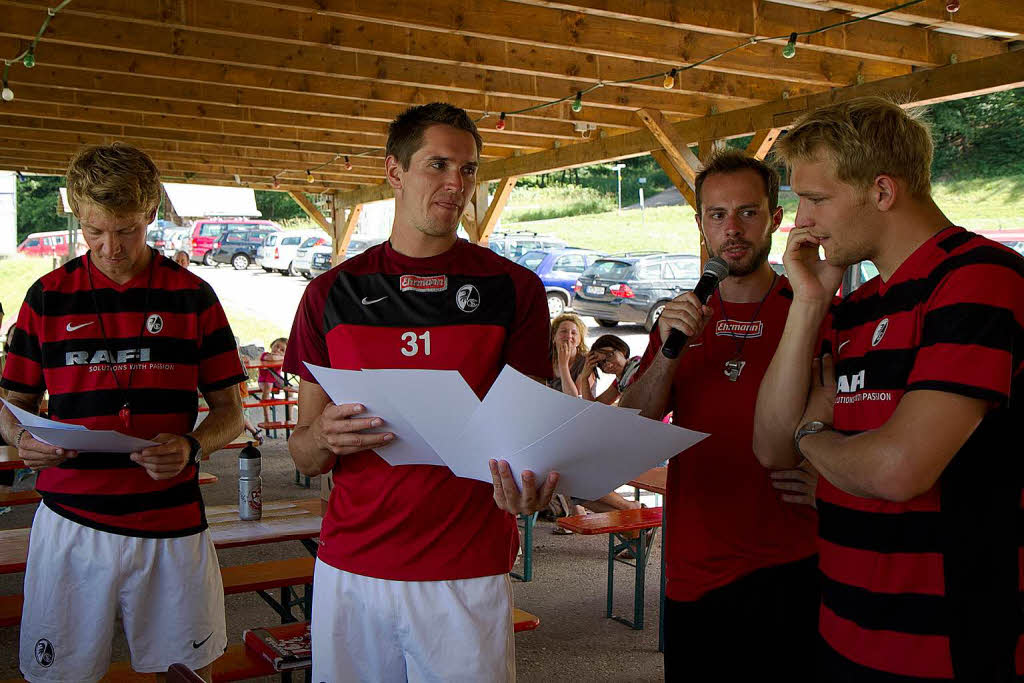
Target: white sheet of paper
pixel 27 419
pixel 354 386
pixel 76 437
pixel 516 412
pixel 436 403
pixel 90 440
pixel 601 449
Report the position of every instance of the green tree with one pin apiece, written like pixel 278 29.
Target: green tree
pixel 978 136
pixel 277 206
pixel 37 198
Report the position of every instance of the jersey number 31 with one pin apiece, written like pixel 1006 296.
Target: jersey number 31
pixel 412 343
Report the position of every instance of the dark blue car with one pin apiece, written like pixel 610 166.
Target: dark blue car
pixel 558 269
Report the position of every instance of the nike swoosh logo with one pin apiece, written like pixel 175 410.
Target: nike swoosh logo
pixel 840 349
pixel 693 346
pixel 198 645
pixel 367 302
pixel 72 328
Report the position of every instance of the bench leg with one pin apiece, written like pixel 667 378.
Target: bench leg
pixel 640 547
pixel 528 522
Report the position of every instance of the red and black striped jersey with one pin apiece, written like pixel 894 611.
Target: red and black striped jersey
pixel 70 339
pixel 930 589
pixel 726 518
pixel 467 309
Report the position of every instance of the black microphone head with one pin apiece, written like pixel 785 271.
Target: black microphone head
pixel 716 267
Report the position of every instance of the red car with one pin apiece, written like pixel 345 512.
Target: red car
pixel 206 231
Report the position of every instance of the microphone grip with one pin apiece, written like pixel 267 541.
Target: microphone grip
pixel 677 338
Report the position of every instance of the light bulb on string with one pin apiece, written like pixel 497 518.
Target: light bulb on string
pixel 670 80
pixel 277 183
pixel 577 104
pixel 29 60
pixel 7 94
pixel 953 6
pixel 348 164
pixel 790 50
pixel 309 177
pixel 500 124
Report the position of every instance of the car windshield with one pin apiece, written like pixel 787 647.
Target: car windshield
pixel 615 270
pixel 532 260
pixel 310 241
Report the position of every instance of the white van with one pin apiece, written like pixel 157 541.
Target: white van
pixel 278 250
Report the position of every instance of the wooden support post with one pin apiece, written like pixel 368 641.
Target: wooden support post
pixel 345 233
pixel 475 211
pixel 674 145
pixel 673 173
pixel 501 195
pixel 705 148
pixel 762 142
pixel 311 211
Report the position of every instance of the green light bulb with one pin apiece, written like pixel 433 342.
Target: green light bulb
pixel 790 50
pixel 577 104
pixel 29 60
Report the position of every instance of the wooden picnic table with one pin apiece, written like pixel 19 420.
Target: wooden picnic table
pixel 297 520
pixel 270 364
pixel 654 480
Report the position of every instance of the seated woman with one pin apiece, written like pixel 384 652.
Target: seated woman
pixel 568 353
pixel 611 355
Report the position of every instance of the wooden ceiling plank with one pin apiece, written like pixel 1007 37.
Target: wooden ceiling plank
pixel 980 16
pixel 742 19
pixel 482 19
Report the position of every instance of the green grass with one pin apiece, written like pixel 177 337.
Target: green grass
pixel 16 275
pixel 988 203
pixel 253 330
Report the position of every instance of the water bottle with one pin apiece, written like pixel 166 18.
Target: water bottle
pixel 250 484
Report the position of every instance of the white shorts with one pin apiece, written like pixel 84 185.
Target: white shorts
pixel 381 631
pixel 167 591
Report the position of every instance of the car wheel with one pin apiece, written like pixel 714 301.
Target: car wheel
pixel 239 261
pixel 556 304
pixel 208 259
pixel 652 317
pixel 291 270
pixel 606 323
pixel 308 275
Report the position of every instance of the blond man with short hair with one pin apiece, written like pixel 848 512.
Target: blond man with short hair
pixel 910 419
pixel 124 339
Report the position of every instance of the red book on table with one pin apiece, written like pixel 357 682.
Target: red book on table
pixel 285 647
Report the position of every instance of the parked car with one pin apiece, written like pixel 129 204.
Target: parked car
pixel 175 239
pixel 559 269
pixel 238 246
pixel 50 243
pixel 320 259
pixel 278 250
pixel 304 255
pixel 634 288
pixel 512 245
pixel 206 231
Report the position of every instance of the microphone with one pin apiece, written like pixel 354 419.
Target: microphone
pixel 714 271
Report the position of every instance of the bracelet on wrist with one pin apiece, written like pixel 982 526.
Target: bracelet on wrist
pixel 17 439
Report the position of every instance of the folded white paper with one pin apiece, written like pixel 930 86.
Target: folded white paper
pixel 76 437
pixel 437 419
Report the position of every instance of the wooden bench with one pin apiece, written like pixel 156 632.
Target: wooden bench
pixel 249 578
pixel 239 663
pixel 31 497
pixel 271 403
pixel 632 530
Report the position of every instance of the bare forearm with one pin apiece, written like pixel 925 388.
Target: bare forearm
pixel 219 428
pixel 568 385
pixel 9 426
pixel 309 458
pixel 650 393
pixel 782 396
pixel 583 385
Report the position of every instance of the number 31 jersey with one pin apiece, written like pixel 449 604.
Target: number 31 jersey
pixel 467 309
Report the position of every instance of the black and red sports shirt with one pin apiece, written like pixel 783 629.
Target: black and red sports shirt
pixel 58 346
pixel 726 518
pixel 930 589
pixel 467 309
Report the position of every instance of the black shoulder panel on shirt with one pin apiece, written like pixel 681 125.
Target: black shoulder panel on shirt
pixel 378 300
pixel 954 242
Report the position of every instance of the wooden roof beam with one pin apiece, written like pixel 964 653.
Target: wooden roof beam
pixel 501 195
pixel 742 19
pixel 209 29
pixel 981 76
pixel 981 16
pixel 762 142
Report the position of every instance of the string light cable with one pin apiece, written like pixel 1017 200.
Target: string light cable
pixel 28 56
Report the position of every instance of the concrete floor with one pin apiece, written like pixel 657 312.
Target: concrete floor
pixel 574 642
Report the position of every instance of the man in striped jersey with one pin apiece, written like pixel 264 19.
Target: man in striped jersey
pixel 122 339
pixel 911 422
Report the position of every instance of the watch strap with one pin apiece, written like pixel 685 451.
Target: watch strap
pixel 195 454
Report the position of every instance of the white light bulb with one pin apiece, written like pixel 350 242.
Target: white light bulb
pixel 7 94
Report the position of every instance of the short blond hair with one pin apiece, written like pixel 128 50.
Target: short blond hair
pixel 864 138
pixel 118 178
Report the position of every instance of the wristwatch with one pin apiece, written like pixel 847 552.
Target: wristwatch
pixel 812 427
pixel 195 453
